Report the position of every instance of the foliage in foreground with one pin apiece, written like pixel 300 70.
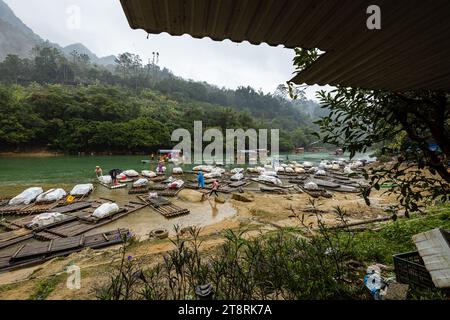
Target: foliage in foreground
pixel 279 265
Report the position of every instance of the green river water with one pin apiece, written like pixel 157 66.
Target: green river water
pixel 80 169
pixel 18 173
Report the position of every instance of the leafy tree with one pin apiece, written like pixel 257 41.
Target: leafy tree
pixel 359 120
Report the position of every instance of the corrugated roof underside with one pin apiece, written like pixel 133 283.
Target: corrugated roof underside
pixel 411 51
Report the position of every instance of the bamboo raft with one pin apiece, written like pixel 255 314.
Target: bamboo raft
pixel 111 187
pixel 158 179
pixel 36 253
pixel 7 209
pixel 317 193
pixel 85 222
pixel 156 202
pixel 157 187
pixel 138 190
pixel 72 207
pixel 12 237
pixel 38 208
pixel 165 207
pixel 169 192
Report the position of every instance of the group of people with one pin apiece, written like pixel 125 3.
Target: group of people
pixel 113 174
pixel 200 178
pixel 201 184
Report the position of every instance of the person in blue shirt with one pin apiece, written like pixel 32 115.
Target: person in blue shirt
pixel 201 180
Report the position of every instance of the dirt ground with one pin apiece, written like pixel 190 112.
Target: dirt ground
pixel 265 213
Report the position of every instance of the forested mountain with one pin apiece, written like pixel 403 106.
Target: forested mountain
pixel 81 49
pixel 72 105
pixel 66 99
pixel 15 36
pixel 18 39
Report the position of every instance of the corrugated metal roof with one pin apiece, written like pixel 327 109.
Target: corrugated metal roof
pixel 411 51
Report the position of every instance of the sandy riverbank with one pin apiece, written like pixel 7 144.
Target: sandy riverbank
pixel 265 213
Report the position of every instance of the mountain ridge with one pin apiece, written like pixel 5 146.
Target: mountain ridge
pixel 19 39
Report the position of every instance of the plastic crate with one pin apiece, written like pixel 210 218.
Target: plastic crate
pixel 410 269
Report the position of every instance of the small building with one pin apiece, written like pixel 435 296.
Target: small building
pixel 318 149
pixel 299 150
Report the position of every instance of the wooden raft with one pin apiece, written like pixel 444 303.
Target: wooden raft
pixel 165 207
pixel 157 187
pixel 112 187
pixel 138 190
pixel 85 224
pixel 35 253
pixel 12 237
pixel 169 192
pixel 25 221
pixel 7 209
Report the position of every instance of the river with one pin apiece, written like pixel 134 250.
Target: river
pixel 17 173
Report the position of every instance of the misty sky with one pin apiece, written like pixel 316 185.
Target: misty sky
pixel 104 29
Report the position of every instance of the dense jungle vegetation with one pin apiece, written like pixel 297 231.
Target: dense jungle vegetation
pixel 66 103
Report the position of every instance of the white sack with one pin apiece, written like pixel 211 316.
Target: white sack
pixel 26 197
pixel 81 189
pixel 105 210
pixel 51 195
pixel 140 183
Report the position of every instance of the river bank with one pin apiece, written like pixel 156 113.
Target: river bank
pixel 266 213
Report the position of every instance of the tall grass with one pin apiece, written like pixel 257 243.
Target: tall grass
pixel 308 263
pixel 281 265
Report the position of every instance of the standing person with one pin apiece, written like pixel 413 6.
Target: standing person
pixel 98 171
pixel 215 188
pixel 152 156
pixel 160 167
pixel 201 180
pixel 114 173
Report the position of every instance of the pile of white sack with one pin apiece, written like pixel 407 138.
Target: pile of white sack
pixel 311 186
pixel 215 173
pixel 279 169
pixel 177 170
pixel 257 169
pixel 307 164
pixel 299 170
pixel 237 177
pixel 81 190
pixel 140 183
pixel 26 197
pixel 105 179
pixel 177 184
pixel 51 195
pixel 321 173
pixel 270 179
pixel 203 168
pixel 148 174
pixel 46 219
pixel 131 173
pixel 105 210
